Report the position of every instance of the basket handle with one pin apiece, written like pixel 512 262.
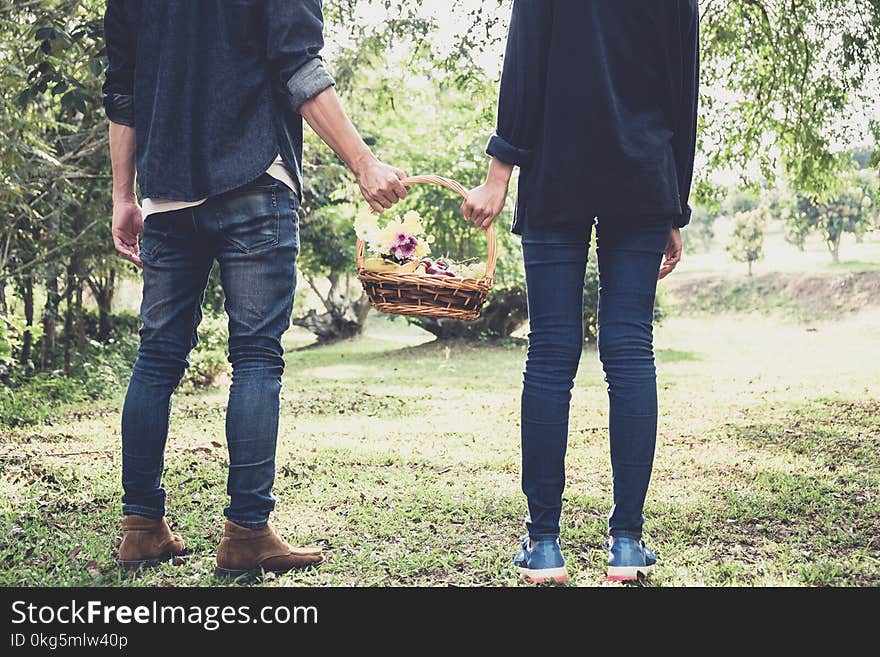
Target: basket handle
pixel 461 191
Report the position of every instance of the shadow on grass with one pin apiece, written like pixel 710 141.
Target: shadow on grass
pixel 839 432
pixel 676 356
pixel 776 526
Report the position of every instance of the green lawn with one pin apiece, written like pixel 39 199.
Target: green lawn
pixel 402 460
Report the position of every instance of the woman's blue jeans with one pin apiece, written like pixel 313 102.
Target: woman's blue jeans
pixel 253 232
pixel 629 253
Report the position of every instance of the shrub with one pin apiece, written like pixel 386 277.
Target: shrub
pixel 100 371
pixel 121 324
pixel 747 241
pixel 208 362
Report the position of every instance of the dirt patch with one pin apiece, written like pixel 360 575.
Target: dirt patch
pixel 805 296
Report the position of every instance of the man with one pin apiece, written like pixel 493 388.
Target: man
pixel 598 108
pixel 205 100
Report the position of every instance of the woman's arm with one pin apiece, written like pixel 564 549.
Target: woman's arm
pixel 521 98
pixel 684 142
pixel 520 106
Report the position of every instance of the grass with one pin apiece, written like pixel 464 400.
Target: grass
pixel 402 460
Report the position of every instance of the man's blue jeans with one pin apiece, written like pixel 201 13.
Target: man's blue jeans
pixel 253 232
pixel 629 253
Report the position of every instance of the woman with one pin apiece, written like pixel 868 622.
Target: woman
pixel 598 108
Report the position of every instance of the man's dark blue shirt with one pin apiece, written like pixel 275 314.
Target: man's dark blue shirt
pixel 598 107
pixel 212 87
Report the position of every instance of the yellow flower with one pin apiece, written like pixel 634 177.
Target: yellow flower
pixel 412 223
pixel 430 239
pixel 366 225
pixel 422 250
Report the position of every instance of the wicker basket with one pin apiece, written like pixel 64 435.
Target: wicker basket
pixel 425 295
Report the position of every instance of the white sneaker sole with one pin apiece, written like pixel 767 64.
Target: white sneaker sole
pixel 544 575
pixel 627 573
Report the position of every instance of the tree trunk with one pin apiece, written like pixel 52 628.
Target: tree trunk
pixel 103 290
pixel 68 321
pixel 834 248
pixel 49 319
pixel 4 309
pixel 78 317
pixel 750 267
pixel 27 293
pixel 346 311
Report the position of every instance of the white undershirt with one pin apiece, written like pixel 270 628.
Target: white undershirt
pixel 277 170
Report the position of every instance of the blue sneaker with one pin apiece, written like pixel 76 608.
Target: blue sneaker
pixel 543 563
pixel 627 558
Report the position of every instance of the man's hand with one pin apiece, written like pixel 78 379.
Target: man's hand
pixel 380 184
pixel 128 224
pixel 672 256
pixel 485 203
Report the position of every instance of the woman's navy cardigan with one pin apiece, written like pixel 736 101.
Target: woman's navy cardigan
pixel 598 108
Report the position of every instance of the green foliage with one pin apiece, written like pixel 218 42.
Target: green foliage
pixel 791 72
pixel 741 200
pixel 700 233
pixel 208 362
pixel 852 209
pixel 747 241
pixel 100 374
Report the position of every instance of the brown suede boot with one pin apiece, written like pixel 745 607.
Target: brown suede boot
pixel 245 550
pixel 146 542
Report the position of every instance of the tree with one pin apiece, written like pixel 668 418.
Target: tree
pixel 851 210
pixel 54 231
pixel 700 233
pixel 792 70
pixel 747 240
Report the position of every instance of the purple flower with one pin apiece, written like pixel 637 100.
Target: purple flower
pixel 404 246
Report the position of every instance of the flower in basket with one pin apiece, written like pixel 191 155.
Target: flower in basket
pixel 401 242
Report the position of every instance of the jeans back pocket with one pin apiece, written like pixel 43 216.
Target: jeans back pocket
pixel 248 217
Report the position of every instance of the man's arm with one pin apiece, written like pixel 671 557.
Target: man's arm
pixel 379 183
pixel 295 40
pixel 520 107
pixel 128 222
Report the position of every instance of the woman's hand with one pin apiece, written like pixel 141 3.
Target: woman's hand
pixel 672 256
pixel 486 202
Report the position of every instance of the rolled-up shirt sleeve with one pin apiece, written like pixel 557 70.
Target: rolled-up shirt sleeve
pixel 685 139
pixel 523 80
pixel 121 44
pixel 295 38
